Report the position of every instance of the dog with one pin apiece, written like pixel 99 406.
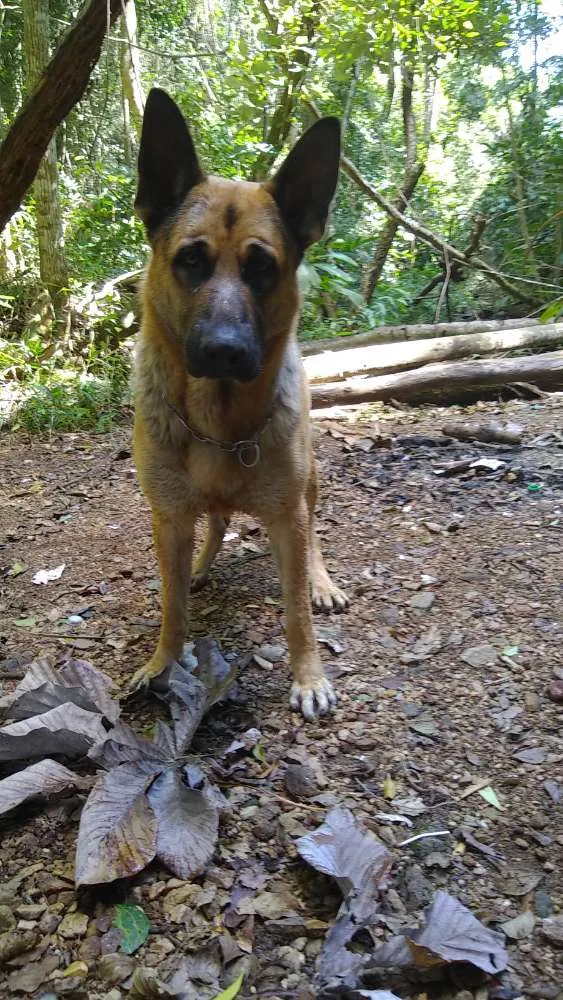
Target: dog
pixel 221 397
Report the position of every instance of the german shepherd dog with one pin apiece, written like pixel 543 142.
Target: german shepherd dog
pixel 222 402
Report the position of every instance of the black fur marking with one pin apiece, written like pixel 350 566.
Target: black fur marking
pixel 231 216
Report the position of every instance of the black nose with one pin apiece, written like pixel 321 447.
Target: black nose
pixel 224 356
pixel 224 352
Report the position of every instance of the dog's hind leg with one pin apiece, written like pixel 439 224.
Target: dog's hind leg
pixel 216 528
pixel 325 595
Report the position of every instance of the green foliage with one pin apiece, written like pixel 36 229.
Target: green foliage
pixel 134 924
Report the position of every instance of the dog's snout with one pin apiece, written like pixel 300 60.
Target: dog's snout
pixel 224 351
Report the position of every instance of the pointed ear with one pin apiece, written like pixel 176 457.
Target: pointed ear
pixel 168 163
pixel 306 181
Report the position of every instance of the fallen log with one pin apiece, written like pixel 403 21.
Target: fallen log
pixel 385 359
pixel 413 331
pixel 492 432
pixel 445 383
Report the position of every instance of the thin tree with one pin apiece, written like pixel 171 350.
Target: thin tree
pixel 48 213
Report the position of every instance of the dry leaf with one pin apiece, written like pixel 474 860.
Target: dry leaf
pixel 451 934
pixel 44 778
pixel 67 730
pixel 118 828
pixel 187 821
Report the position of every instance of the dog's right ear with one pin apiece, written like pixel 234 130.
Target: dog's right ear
pixel 168 163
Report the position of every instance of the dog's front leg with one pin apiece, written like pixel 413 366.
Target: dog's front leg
pixel 174 541
pixel 311 692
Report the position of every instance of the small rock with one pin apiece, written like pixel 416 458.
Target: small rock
pixel 437 859
pixel 115 968
pixel 531 701
pixel 556 691
pixel 79 969
pixel 543 904
pixel 395 902
pixel 49 923
pixel 90 949
pixel 552 930
pixel 111 941
pixel 16 943
pixel 480 656
pixel 7 919
pixel 30 911
pixel 271 653
pixel 290 958
pixel 73 925
pixel 300 781
pixel 543 991
pixel 422 601
pixel 419 890
pixel 520 927
pixel 463 995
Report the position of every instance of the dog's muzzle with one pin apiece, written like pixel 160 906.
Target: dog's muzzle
pixel 224 351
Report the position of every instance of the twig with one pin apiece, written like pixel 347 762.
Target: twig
pixel 423 836
pixel 444 288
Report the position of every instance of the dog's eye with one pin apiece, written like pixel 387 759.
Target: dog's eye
pixel 259 270
pixel 192 263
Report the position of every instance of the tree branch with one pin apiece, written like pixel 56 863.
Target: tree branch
pixel 422 232
pixel 60 87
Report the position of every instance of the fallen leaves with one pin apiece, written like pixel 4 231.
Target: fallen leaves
pixel 451 934
pixel 47 777
pixel 148 802
pixel 361 864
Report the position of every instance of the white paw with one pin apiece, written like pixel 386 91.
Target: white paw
pixel 313 699
pixel 329 597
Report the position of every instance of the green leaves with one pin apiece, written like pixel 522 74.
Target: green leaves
pixel 134 924
pixel 232 991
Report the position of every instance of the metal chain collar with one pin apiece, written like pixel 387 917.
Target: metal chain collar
pixel 247 450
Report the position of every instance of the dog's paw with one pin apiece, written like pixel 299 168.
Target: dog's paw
pixel 326 596
pixel 147 673
pixel 317 698
pixel 199 579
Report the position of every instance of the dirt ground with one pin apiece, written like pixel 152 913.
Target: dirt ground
pixel 449 666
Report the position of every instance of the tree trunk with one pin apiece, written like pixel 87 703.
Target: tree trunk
pixel 294 65
pixel 445 383
pixel 413 331
pixel 518 179
pixel 411 177
pixel 384 359
pixel 389 231
pixel 48 214
pixel 59 88
pixel 130 69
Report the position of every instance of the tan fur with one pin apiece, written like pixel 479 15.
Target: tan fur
pixel 184 479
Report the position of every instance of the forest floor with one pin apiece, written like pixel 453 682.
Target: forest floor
pixel 449 666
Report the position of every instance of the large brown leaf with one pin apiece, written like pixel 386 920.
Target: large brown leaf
pixel 68 730
pixel 44 778
pixel 117 836
pixel 451 934
pixel 188 822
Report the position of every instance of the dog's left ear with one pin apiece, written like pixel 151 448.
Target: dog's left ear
pixel 306 181
pixel 168 163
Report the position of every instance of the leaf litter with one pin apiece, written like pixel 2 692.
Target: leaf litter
pixel 361 864
pixel 148 802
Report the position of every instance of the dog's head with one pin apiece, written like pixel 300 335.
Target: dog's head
pixel 226 252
